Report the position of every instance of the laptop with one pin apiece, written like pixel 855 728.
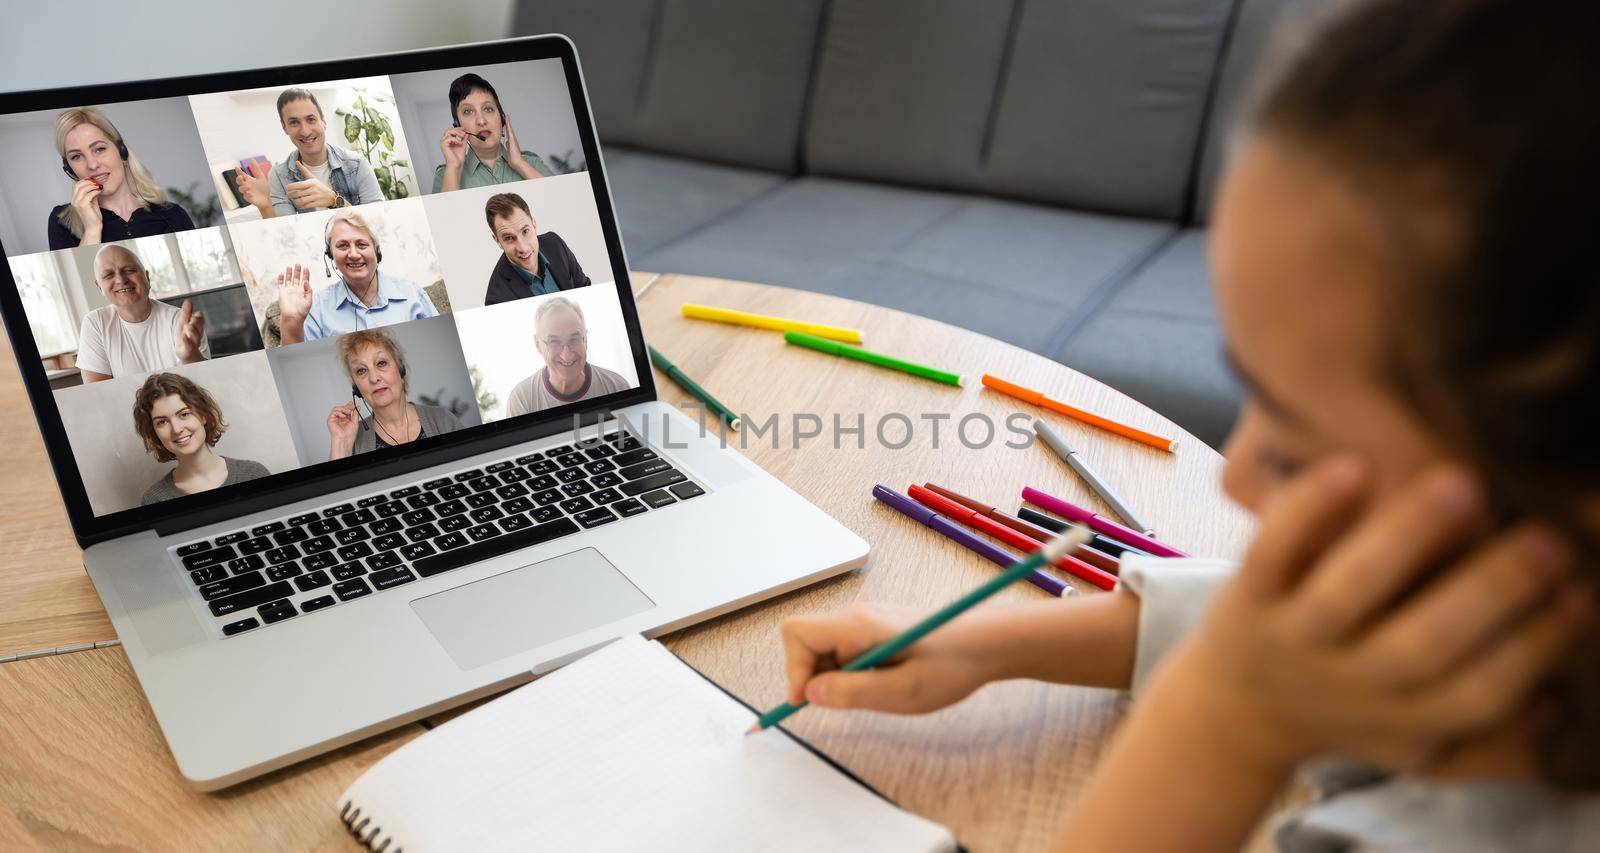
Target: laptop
pixel 342 380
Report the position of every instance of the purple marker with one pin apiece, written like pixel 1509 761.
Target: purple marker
pixel 1099 523
pixel 999 556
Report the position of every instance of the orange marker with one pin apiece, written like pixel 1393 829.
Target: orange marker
pixel 1027 395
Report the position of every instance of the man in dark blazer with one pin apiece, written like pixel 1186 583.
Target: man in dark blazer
pixel 531 264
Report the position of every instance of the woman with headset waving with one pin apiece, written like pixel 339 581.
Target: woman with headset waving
pixel 114 197
pixel 361 297
pixel 376 366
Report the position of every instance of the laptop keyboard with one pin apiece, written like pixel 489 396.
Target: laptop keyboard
pixel 314 560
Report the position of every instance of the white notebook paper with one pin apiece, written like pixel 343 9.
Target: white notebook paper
pixel 625 749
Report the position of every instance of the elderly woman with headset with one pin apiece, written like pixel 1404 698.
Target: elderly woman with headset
pixel 376 366
pixel 114 197
pixel 361 297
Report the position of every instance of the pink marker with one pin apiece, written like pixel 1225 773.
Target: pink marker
pixel 1098 523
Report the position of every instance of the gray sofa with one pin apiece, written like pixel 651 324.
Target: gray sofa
pixel 1037 171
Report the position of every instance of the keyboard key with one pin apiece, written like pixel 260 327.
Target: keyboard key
pixel 277 611
pixel 314 580
pixel 246 564
pixel 351 535
pixel 498 467
pixel 599 466
pixel 543 466
pixel 542 482
pixel 634 457
pixel 685 491
pixel 317 603
pixel 417 550
pixel 544 514
pixel 486 514
pixel 371 500
pixel 513 523
pixel 427 531
pixel 232 586
pixel 319 561
pixel 483 531
pixel 482 499
pixel 511 490
pixel 658 499
pixel 346 571
pixel 283 572
pixel 547 497
pixel 391 508
pixel 269 527
pixel 570 475
pixel 650 466
pixel 251 598
pixel 283 555
pixel 469 474
pixel 386 560
pixel 455 522
pixel 580 487
pixel 573 506
pixel 357 518
pixel 391 578
pixel 192 548
pixel 595 517
pixel 341 509
pixel 320 543
pixel 208 559
pixel 625 443
pixel 448 508
pixel 628 507
pixel 255 546
pixel 418 516
pixel 385 525
pixel 208 575
pixel 605 496
pixel 388 542
pixel 325 526
pixel 351 589
pixel 230 538
pixel 462 556
pixel 239 627
pixel 449 541
pixel 484 484
pixel 405 492
pixel 558 450
pixel 529 459
pixel 571 460
pixel 422 500
pixel 303 519
pixel 599 451
pixel 605 481
pixel 354 552
pixel 516 505
pixel 515 475
pixel 655 481
pixel 291 536
pixel 437 484
pixel 454 490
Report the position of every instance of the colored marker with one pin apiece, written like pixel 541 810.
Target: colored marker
pixel 1100 543
pixel 777 324
pixel 1099 523
pixel 1054 549
pixel 994 554
pixel 1098 559
pixel 701 394
pixel 870 357
pixel 1058 445
pixel 982 523
pixel 1028 395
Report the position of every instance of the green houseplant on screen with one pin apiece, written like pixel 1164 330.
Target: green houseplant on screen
pixel 373 134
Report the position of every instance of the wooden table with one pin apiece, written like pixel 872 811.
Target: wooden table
pixel 82 763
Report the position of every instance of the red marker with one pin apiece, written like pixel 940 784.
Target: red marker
pixel 1098 559
pixel 949 508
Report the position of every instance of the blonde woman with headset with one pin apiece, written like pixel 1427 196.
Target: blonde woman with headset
pixel 376 365
pixel 114 197
pixel 361 298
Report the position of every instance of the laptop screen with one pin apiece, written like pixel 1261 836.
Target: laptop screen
pixel 227 286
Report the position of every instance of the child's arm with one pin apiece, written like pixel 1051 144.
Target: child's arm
pixel 1087 641
pixel 1391 638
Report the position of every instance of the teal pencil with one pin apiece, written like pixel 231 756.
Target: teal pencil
pixel 693 387
pixel 1052 551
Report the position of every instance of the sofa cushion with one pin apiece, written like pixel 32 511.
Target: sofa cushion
pixel 660 198
pixel 1018 272
pixel 1093 104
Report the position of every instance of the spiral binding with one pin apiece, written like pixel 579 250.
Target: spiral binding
pixel 356 825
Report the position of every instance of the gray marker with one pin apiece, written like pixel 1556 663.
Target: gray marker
pixel 1054 441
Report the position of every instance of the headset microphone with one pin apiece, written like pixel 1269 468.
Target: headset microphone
pixel 122 151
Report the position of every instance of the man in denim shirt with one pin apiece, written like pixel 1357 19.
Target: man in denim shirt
pixel 316 175
pixel 361 298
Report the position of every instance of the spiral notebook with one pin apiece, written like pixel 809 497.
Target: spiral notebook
pixel 626 749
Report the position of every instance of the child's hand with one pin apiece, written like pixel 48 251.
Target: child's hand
pixel 1389 636
pixel 940 669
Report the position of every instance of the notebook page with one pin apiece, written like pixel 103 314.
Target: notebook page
pixel 626 749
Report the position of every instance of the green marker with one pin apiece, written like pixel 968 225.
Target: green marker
pixel 701 394
pixel 859 354
pixel 1050 552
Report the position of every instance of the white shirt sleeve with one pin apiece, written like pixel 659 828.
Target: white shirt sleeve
pixel 1174 594
pixel 92 345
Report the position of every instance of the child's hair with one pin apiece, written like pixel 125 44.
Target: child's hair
pixel 161 385
pixel 1472 112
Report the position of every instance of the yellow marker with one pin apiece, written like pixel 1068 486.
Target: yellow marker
pixel 777 324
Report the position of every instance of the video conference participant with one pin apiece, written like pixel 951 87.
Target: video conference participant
pixel 362 298
pixel 114 197
pixel 315 175
pixel 135 334
pixel 534 264
pixel 480 148
pixel 178 420
pixel 377 369
pixel 567 376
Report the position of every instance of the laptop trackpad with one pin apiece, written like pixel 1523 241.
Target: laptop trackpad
pixel 524 608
